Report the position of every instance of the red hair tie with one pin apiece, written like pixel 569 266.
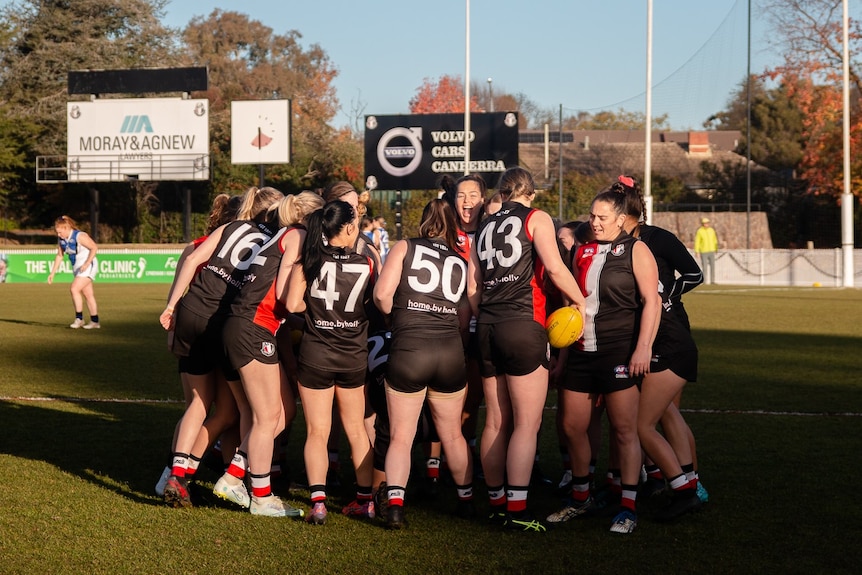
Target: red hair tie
pixel 627 181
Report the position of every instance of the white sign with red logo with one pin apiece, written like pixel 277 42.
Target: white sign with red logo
pixel 260 132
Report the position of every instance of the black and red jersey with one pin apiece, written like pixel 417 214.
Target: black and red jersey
pixel 336 320
pixel 512 271
pixel 431 289
pixel 677 274
pixel 237 260
pixel 258 300
pixel 606 277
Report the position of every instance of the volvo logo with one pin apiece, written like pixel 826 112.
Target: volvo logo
pixel 398 157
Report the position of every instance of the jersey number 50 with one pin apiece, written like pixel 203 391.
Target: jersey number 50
pixel 421 261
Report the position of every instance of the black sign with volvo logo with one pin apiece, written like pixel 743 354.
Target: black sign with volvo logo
pixel 412 152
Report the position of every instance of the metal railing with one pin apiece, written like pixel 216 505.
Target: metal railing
pixel 117 168
pixel 704 207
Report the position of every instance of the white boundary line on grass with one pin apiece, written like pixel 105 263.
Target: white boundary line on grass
pixel 768 289
pixel 551 408
pixel 90 400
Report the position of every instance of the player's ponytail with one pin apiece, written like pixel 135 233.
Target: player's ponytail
pixel 438 221
pixel 323 225
pixel 294 208
pixel 635 204
pixel 257 201
pixel 65 220
pixel 516 183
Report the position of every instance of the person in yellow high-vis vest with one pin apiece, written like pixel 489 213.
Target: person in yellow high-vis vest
pixel 706 244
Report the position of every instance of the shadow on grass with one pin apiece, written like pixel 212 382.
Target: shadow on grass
pixel 121 360
pixel 30 323
pixel 114 445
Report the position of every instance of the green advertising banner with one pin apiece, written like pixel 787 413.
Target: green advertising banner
pixel 115 266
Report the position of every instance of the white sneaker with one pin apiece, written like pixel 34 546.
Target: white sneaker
pixel 77 323
pixel 92 325
pixel 625 522
pixel 570 510
pixel 272 506
pixel 163 480
pixel 232 489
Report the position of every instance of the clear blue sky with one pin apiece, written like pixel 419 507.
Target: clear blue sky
pixel 583 54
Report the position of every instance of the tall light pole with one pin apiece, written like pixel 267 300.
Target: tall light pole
pixel 490 95
pixel 560 211
pixel 467 92
pixel 648 120
pixel 847 197
pixel 748 138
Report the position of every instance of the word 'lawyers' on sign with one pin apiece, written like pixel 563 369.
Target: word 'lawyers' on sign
pixel 147 139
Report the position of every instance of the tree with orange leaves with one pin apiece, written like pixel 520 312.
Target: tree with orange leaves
pixel 247 60
pixel 445 96
pixel 810 32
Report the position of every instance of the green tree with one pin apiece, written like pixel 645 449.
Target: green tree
pixel 16 139
pixel 777 124
pixel 610 120
pixel 42 41
pixel 809 32
pixel 578 192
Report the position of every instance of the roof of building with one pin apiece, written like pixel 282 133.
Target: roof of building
pixel 620 151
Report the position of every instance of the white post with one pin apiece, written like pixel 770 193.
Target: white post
pixel 847 197
pixel 547 151
pixel 467 94
pixel 648 121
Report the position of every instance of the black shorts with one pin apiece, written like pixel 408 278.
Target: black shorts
pixel 472 350
pixel 245 341
pixel 419 363
pixel 598 372
pixel 516 347
pixel 317 378
pixel 197 341
pixel 682 363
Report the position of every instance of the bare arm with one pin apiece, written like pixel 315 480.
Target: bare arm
pixel 390 277
pixel 545 242
pixel 292 242
pixel 58 259
pixel 185 254
pixel 646 276
pixel 295 300
pixel 186 273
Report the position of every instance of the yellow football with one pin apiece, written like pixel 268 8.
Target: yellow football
pixel 564 327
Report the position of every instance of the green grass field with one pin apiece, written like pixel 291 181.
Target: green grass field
pixel 777 413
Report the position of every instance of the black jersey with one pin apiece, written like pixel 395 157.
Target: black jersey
pixel 606 276
pixel 431 290
pixel 677 270
pixel 336 322
pixel 671 256
pixel 237 260
pixel 258 302
pixel 512 272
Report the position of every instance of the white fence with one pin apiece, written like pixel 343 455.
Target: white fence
pixel 777 267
